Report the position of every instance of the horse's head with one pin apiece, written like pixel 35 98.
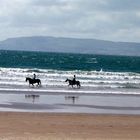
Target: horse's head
pixel 67 80
pixel 27 78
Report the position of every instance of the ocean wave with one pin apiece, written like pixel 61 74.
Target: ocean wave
pixel 34 71
pixel 56 78
pixel 67 91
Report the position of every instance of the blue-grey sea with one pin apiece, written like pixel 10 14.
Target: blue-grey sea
pixel 101 77
pixel 95 72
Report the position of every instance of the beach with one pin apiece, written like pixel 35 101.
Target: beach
pixel 34 114
pixel 67 126
pixel 30 115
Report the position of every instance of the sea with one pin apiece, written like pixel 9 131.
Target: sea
pixel 102 73
pixel 99 75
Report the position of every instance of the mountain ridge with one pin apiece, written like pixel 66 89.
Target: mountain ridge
pixel 71 45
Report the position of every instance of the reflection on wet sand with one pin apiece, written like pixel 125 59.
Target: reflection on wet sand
pixel 72 98
pixel 32 97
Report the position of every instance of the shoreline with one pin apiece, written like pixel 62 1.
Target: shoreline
pixel 57 126
pixel 70 103
pixel 71 91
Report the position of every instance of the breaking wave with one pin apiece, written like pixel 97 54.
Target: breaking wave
pixel 55 79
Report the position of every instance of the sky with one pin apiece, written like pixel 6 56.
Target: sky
pixel 114 20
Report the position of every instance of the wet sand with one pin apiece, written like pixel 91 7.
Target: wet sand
pixel 66 126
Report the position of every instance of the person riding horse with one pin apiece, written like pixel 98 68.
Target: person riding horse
pixel 74 79
pixel 73 82
pixel 33 80
pixel 34 76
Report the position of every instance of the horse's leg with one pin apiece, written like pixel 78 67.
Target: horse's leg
pixel 78 85
pixel 29 84
pixel 38 84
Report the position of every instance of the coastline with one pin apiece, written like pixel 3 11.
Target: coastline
pixel 69 103
pixel 37 115
pixel 58 126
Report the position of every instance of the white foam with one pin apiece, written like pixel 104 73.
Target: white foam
pixel 67 91
pixel 56 78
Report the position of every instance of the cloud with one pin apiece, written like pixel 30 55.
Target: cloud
pixel 48 3
pixel 116 20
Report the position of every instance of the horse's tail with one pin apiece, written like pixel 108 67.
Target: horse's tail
pixel 79 84
pixel 40 82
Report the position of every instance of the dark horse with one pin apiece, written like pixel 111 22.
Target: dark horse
pixel 33 81
pixel 71 82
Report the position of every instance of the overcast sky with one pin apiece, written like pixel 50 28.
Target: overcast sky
pixel 116 20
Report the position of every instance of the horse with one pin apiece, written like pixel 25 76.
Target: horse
pixel 71 82
pixel 33 81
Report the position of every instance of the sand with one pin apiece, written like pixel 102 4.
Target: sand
pixel 61 126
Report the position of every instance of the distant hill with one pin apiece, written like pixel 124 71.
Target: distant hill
pixel 71 45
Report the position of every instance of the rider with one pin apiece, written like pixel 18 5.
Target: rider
pixel 74 79
pixel 34 76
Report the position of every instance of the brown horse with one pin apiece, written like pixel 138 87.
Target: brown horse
pixel 33 81
pixel 71 83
